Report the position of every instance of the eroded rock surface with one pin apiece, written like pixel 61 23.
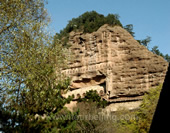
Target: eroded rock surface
pixel 112 62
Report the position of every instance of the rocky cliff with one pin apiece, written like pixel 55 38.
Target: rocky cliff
pixel 112 62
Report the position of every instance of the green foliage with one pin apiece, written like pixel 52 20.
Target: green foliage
pixel 87 23
pixel 155 50
pixel 89 113
pixel 144 114
pixel 147 109
pixel 31 80
pixel 90 22
pixel 136 121
pixel 167 57
pixel 63 121
pixel 129 28
pixel 92 96
pixel 145 41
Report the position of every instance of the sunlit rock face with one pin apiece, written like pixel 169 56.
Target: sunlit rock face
pixel 112 62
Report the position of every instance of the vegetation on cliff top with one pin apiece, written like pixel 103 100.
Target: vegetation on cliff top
pixel 88 22
pixel 91 21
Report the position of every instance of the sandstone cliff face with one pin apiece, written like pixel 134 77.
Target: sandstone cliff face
pixel 112 62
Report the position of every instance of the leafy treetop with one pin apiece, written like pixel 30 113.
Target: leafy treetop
pixel 88 23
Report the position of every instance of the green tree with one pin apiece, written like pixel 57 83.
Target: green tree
pixel 167 57
pixel 129 28
pixel 31 80
pixel 145 41
pixel 155 50
pixel 93 96
pixel 90 109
